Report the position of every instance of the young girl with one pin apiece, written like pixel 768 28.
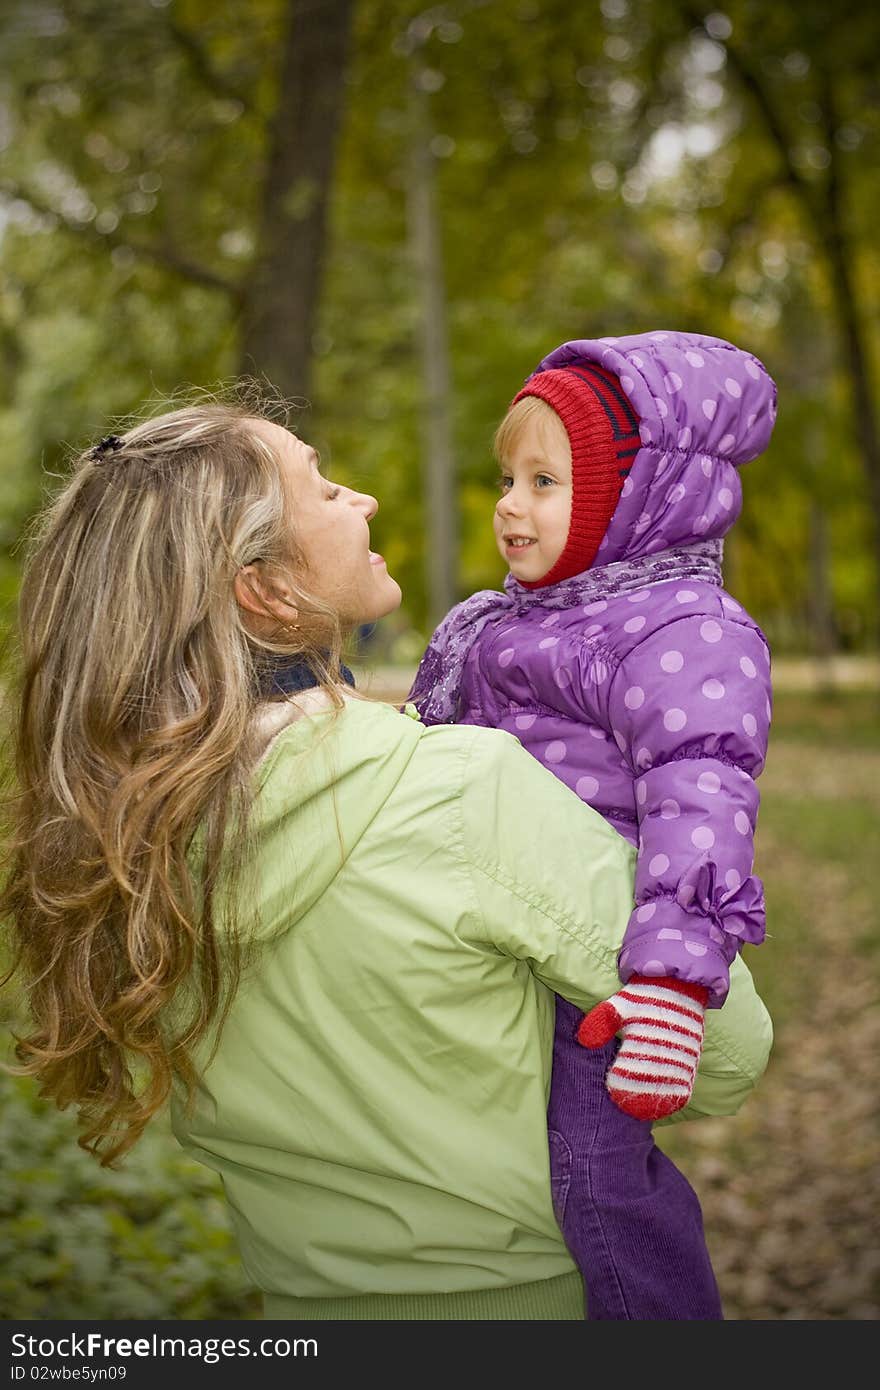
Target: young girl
pixel 617 658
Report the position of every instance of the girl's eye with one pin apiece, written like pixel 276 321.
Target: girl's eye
pixel 542 478
pixel 504 483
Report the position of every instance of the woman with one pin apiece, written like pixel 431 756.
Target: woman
pixel 318 926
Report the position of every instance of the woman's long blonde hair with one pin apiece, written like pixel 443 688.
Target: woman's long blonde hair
pixel 137 683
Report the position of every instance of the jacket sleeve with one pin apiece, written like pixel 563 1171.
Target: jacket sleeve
pixel 554 889
pixel 690 710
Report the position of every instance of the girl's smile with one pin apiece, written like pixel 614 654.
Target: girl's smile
pixel 533 514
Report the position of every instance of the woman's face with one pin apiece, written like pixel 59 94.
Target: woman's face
pixel 333 534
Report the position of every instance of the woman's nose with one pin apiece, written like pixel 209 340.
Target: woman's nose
pixel 368 504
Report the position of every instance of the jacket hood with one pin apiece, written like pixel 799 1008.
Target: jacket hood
pixel 705 408
pixel 318 795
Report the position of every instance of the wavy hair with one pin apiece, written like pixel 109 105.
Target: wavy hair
pixel 137 682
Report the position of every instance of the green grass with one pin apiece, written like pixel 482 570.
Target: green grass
pixel 817 844
pixel 846 719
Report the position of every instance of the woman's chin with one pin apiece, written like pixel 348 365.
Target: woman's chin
pixel 395 598
pixel 388 601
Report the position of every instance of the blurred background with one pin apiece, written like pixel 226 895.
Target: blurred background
pixel 389 213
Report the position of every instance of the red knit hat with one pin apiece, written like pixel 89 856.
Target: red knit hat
pixel 603 431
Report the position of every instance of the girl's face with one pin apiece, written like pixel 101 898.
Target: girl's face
pixel 333 534
pixel 533 514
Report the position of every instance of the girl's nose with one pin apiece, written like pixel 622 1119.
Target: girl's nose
pixel 508 504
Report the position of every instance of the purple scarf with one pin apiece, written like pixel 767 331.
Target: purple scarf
pixel 436 690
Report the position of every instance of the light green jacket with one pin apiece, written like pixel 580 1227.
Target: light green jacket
pixel 377 1103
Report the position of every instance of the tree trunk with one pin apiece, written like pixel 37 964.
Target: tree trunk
pixel 821 606
pixel 282 296
pixel 855 355
pixel 830 223
pixel 438 464
pixel 824 210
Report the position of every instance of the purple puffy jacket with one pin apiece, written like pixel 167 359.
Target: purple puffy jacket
pixel 642 684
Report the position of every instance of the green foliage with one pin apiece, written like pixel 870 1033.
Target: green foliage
pixel 150 1240
pixel 599 170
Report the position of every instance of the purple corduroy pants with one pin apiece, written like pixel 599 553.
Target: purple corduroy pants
pixel 630 1219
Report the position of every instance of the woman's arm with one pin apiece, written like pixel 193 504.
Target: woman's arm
pixel 554 887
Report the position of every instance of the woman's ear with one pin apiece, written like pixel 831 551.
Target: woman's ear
pixel 256 594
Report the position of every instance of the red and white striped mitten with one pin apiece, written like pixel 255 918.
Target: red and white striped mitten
pixel 661 1022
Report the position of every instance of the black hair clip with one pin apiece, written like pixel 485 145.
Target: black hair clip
pixel 108 445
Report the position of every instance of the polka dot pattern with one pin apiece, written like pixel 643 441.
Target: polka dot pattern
pixel 662 711
pixel 586 788
pixel 674 720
